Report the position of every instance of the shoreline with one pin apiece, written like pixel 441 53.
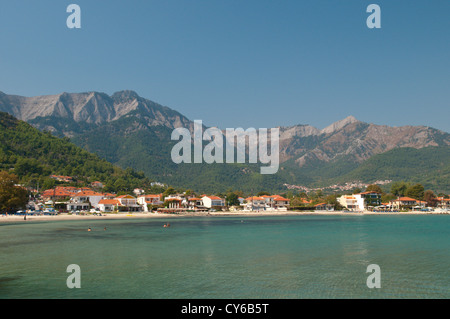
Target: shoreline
pixel 62 217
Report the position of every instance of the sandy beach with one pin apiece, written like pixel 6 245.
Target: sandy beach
pixel 62 217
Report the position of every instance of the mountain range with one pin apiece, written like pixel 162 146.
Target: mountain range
pixel 131 131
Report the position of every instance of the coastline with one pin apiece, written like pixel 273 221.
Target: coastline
pixel 62 217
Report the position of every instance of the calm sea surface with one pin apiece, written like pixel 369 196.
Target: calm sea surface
pixel 228 257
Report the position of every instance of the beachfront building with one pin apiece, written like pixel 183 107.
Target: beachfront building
pixel 194 203
pixel 350 202
pixel 407 202
pixel 146 200
pixel 361 201
pixel 275 202
pixel 324 207
pixel 279 202
pixel 173 202
pixel 74 206
pixel 369 199
pixel 84 200
pixel 128 203
pixel 255 203
pixel 88 196
pixel 443 203
pixel 108 205
pixel 213 201
pixel 151 199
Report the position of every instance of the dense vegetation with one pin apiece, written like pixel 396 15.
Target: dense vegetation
pixel 429 166
pixel 12 197
pixel 33 156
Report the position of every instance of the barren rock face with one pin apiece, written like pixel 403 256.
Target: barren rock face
pixel 92 108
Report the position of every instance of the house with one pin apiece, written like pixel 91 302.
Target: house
pixel 97 184
pixel 213 201
pixel 279 202
pixel 443 203
pixel 420 205
pixel 275 202
pixel 405 202
pixel 349 201
pixel 74 206
pixel 324 207
pixel 174 202
pixel 361 201
pixel 150 199
pixel 88 196
pixel 194 202
pixel 369 199
pixel 84 200
pixel 128 203
pixel 255 203
pixel 108 205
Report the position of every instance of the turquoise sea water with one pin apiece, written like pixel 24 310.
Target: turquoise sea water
pixel 228 257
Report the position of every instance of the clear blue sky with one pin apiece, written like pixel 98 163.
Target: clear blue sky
pixel 240 63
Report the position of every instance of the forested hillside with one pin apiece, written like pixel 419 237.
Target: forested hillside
pixel 34 155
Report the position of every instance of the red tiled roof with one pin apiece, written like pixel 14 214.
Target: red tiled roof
pixel 320 204
pixel 109 202
pixel 280 198
pixel 213 197
pixel 56 193
pixel 152 196
pixel 254 198
pixel 125 196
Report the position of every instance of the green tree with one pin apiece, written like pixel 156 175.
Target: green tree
pixel 399 188
pixel 386 198
pixel 374 188
pixel 415 191
pixel 169 191
pixel 430 198
pixel 296 202
pixel 232 199
pixel 333 200
pixel 12 197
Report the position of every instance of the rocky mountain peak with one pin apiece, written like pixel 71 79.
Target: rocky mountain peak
pixel 125 95
pixel 339 125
